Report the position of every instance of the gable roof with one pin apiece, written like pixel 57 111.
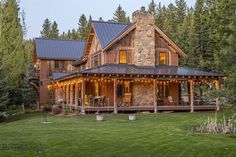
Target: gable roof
pixel 108 31
pixel 59 48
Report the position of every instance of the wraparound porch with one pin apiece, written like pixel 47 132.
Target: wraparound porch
pixel 106 94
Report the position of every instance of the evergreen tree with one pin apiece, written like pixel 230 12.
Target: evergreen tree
pixel 45 33
pixel 54 31
pixel 160 15
pixel 169 26
pixel 14 57
pixel 83 27
pixel 74 35
pixel 152 7
pixel 120 15
pixel 180 11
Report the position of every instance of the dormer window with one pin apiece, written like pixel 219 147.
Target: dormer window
pixel 163 58
pixel 123 57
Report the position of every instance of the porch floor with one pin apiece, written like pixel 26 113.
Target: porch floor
pixel 151 108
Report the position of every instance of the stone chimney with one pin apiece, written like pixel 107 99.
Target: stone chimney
pixel 144 38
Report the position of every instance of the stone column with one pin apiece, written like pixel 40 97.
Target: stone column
pixel 82 96
pixel 155 95
pixel 115 89
pixel 76 96
pixel 192 95
pixel 217 86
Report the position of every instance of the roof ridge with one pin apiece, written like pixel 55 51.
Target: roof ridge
pixel 112 22
pixel 80 40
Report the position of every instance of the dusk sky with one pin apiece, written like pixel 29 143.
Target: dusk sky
pixel 67 12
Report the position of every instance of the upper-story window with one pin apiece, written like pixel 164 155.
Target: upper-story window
pixel 58 64
pixel 163 58
pixel 123 57
pixel 96 60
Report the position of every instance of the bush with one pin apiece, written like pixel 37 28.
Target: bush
pixel 47 108
pixel 56 110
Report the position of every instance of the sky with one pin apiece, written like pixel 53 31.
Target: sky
pixel 67 12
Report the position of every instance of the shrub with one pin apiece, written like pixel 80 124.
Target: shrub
pixel 56 110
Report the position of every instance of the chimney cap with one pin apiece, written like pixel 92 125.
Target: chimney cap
pixel 143 8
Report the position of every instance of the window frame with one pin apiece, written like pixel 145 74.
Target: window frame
pixel 98 58
pixel 126 58
pixel 61 64
pixel 166 57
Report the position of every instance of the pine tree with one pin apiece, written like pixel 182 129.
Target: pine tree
pixel 169 26
pixel 45 33
pixel 120 15
pixel 180 11
pixel 152 7
pixel 83 27
pixel 160 15
pixel 54 31
pixel 14 55
pixel 74 35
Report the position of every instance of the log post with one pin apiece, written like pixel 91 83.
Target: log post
pixel 192 95
pixel 71 95
pixel 115 89
pixel 76 96
pixel 82 96
pixel 155 95
pixel 67 94
pixel 217 86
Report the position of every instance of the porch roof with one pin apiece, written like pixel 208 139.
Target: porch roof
pixel 148 70
pixel 56 76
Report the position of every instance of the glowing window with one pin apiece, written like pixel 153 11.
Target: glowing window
pixel 123 58
pixel 163 59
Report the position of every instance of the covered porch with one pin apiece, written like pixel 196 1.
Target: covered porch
pixel 115 88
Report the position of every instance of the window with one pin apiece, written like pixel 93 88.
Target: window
pixel 58 64
pixel 96 60
pixel 120 90
pixel 163 59
pixel 163 89
pixel 123 57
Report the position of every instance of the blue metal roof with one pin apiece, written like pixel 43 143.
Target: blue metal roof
pixel 59 75
pixel 147 70
pixel 59 48
pixel 107 31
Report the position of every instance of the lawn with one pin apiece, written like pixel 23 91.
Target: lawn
pixel 162 134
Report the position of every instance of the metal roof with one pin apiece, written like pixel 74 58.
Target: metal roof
pixel 107 31
pixel 56 76
pixel 59 48
pixel 147 70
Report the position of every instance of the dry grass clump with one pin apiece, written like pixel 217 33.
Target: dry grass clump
pixel 214 127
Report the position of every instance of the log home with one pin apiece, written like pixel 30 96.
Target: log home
pixel 122 67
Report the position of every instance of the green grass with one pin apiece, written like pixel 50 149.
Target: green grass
pixel 162 134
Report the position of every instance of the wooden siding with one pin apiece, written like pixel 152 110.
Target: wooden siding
pixel 161 45
pixel 45 76
pixel 126 44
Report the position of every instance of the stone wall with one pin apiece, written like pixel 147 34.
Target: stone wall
pixel 144 38
pixel 142 94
